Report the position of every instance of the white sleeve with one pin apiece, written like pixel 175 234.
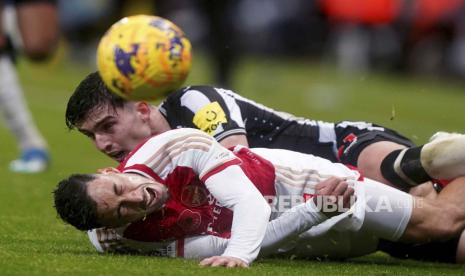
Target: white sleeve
pixel 106 240
pixel 279 231
pixel 200 247
pixel 109 240
pixel 234 190
pixel 290 225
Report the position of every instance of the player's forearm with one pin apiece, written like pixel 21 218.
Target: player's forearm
pixel 234 140
pixel 251 211
pixel 290 225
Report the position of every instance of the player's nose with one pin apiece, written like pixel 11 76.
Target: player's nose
pixel 103 143
pixel 135 197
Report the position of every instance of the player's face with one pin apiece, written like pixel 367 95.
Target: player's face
pixel 117 132
pixel 124 198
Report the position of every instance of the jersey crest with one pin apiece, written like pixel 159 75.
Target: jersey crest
pixel 189 220
pixel 209 117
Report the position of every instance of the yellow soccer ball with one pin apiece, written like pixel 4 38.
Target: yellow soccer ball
pixel 144 57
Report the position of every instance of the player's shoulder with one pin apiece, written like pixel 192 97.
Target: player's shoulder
pixel 179 135
pixel 166 142
pixel 198 92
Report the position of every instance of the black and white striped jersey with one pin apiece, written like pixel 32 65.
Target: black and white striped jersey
pixel 222 113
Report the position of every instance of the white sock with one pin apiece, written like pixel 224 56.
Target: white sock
pixel 444 156
pixel 14 108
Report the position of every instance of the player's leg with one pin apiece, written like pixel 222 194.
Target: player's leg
pixel 34 156
pixel 386 156
pixel 371 158
pixel 38 24
pixel 366 145
pixel 440 219
pixel 442 251
pixel 397 216
pixel 443 157
pixel 460 256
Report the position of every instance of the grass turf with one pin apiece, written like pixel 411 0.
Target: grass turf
pixel 34 241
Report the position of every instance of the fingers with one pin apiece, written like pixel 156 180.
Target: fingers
pixel 225 261
pixel 348 195
pixel 333 186
pixel 334 192
pixel 327 185
pixel 108 170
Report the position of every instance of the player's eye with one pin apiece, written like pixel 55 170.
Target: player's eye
pixel 107 127
pixel 117 189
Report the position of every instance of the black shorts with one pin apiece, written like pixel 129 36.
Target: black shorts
pixel 444 251
pixel 351 140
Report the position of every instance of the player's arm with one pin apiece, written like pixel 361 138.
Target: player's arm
pixel 234 190
pixel 279 232
pixel 218 168
pixel 234 140
pixel 110 240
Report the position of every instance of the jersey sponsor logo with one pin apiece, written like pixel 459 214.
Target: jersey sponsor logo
pixel 189 220
pixel 193 196
pixel 209 117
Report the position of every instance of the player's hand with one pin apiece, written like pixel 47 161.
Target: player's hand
pixel 225 261
pixel 108 170
pixel 335 192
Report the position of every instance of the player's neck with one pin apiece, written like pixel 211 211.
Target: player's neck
pixel 158 123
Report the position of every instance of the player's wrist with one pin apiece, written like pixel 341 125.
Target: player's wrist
pixel 315 211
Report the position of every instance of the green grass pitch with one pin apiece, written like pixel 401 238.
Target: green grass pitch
pixel 33 241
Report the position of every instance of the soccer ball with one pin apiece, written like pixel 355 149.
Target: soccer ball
pixel 143 57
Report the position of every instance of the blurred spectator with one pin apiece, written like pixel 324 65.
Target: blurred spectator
pixel 434 42
pixel 397 35
pixel 38 28
pixel 217 20
pixel 83 23
pixel 362 33
pixel 419 35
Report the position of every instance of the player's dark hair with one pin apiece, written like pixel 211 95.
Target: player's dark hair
pixel 91 94
pixel 73 204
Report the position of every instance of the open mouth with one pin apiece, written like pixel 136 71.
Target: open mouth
pixel 150 197
pixel 118 155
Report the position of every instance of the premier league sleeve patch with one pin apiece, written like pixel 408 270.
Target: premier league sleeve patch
pixel 210 117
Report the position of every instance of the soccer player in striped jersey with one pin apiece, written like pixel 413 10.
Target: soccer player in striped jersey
pixel 379 153
pixel 182 183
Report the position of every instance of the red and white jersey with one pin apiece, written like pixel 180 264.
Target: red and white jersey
pixel 193 166
pixel 187 161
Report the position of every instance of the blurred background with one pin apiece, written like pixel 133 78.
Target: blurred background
pixel 373 60
pixel 401 36
pixel 399 63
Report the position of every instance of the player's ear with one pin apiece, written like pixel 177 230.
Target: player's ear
pixel 143 109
